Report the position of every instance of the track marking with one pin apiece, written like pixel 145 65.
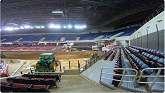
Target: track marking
pixel 87 79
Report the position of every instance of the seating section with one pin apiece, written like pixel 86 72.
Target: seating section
pixel 141 60
pixel 30 83
pixel 46 48
pixel 119 64
pixel 19 48
pixel 57 37
pixel 33 48
pixel 7 48
pixel 108 54
pixel 113 55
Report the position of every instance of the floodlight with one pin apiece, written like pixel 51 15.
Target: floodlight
pixel 42 26
pixel 64 26
pixel 16 28
pixel 69 26
pixel 57 26
pixel 21 27
pixel 51 26
pixel 84 26
pixel 77 27
pixel 27 27
pixel 9 28
pixel 81 27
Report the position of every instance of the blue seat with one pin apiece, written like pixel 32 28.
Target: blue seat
pixel 147 55
pixel 138 60
pixel 155 58
pixel 151 56
pixel 161 60
pixel 141 63
pixel 144 66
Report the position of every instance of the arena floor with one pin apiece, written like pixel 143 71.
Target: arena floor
pixel 32 57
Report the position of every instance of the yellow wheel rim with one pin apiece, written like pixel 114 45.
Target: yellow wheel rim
pixel 58 62
pixel 54 66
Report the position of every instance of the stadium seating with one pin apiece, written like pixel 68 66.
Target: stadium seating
pixel 7 48
pixel 46 48
pixel 19 48
pixel 33 48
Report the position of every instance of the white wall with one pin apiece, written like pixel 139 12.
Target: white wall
pixel 121 41
pixel 150 26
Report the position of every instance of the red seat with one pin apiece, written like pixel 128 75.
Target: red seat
pixel 36 78
pixel 4 83
pixel 17 85
pixel 40 86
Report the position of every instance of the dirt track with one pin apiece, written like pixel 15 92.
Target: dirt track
pixel 59 55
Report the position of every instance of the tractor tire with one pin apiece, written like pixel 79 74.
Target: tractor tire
pixel 57 62
pixel 53 66
pixel 38 66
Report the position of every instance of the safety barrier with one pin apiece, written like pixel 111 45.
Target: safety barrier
pixel 122 75
pixel 83 68
pixel 156 77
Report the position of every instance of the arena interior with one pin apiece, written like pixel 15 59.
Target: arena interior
pixel 99 45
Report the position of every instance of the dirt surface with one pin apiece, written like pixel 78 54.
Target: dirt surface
pixel 59 55
pixel 31 58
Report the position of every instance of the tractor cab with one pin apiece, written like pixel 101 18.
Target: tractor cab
pixel 47 57
pixel 47 63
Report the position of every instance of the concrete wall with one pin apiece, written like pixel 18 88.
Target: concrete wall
pixel 151 34
pixel 121 41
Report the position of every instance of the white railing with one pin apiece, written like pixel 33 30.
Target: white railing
pixel 123 75
pixel 156 76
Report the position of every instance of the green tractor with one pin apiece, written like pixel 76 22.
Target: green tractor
pixel 47 63
pixel 93 56
pixel 2 55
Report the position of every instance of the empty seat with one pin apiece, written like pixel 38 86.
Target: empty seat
pixel 161 60
pixel 5 86
pixel 17 87
pixel 38 88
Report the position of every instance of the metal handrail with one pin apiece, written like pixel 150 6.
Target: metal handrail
pixel 123 75
pixel 157 75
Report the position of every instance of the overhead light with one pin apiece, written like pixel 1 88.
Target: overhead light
pixel 69 26
pixel 57 26
pixel 42 26
pixel 27 27
pixel 22 27
pixel 9 28
pixel 16 28
pixel 51 26
pixel 77 27
pixel 81 27
pixel 64 26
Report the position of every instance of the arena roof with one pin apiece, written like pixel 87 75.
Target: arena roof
pixel 93 13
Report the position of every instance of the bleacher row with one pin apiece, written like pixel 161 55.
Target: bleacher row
pixel 140 61
pixel 58 37
pixel 119 64
pixel 136 62
pixel 30 83
pixel 31 48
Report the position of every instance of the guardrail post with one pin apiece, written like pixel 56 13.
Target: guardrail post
pixel 78 64
pixel 69 64
pixel 121 78
pixel 158 73
pixel 60 66
pixel 90 63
